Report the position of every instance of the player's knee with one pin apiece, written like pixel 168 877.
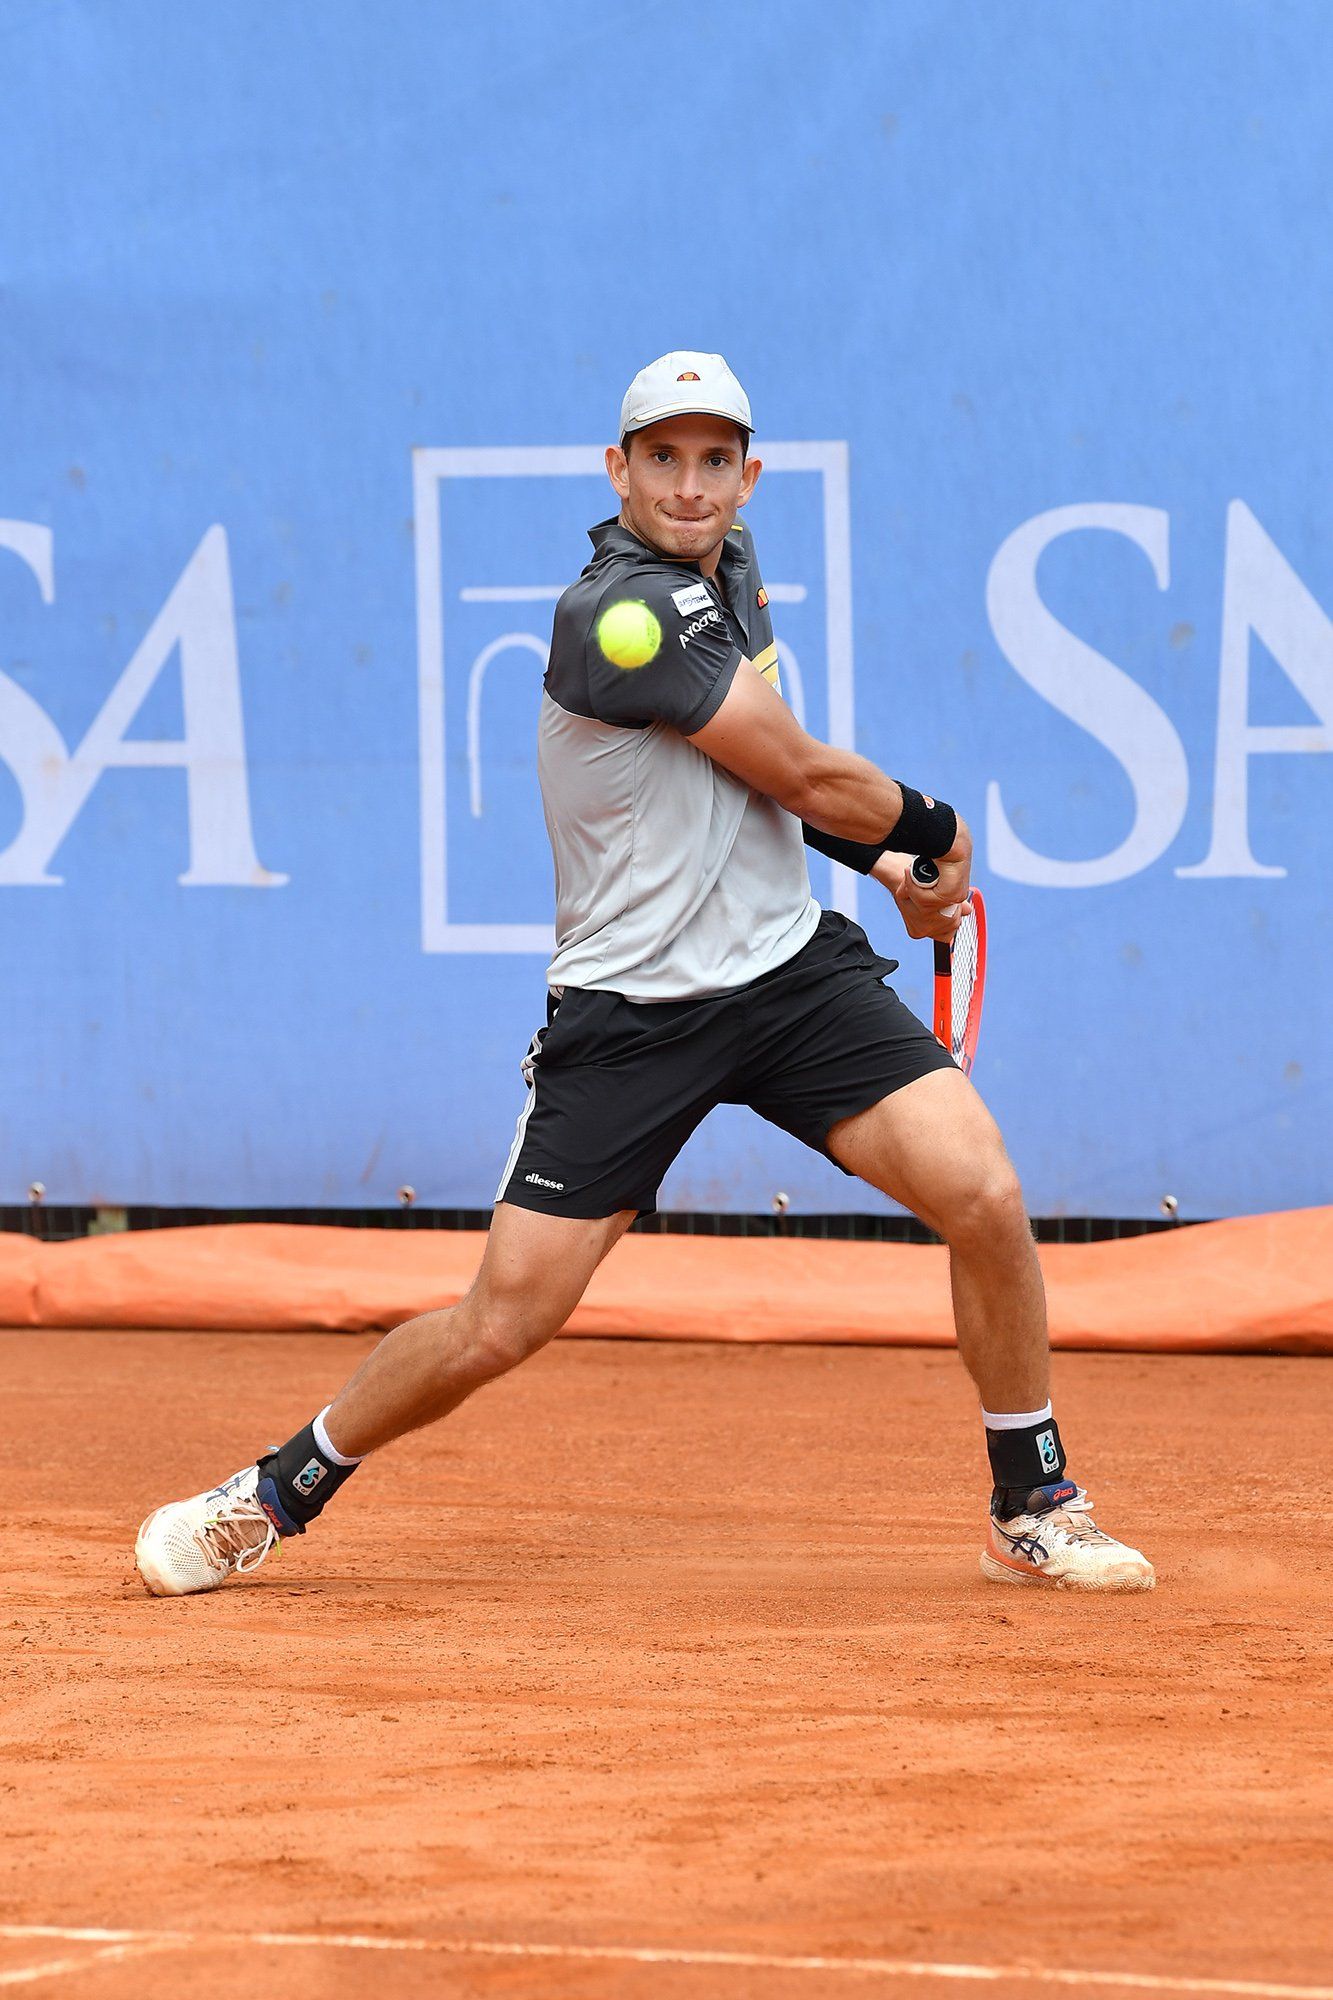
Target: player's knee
pixel 990 1210
pixel 502 1332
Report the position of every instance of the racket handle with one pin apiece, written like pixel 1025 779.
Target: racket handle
pixel 924 871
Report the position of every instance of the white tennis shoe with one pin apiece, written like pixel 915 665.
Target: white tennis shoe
pixel 1062 1548
pixel 197 1544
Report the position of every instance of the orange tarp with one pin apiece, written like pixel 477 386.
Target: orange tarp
pixel 1259 1283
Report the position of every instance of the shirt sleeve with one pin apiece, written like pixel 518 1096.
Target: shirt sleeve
pixel 668 657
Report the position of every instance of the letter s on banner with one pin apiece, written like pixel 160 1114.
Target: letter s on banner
pixel 30 743
pixel 1092 691
pixel 197 622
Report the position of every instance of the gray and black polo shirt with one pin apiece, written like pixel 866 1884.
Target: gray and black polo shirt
pixel 672 878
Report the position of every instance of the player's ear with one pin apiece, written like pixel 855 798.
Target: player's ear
pixel 617 470
pixel 749 479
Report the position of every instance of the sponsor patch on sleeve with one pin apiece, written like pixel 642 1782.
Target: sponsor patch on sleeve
pixel 695 597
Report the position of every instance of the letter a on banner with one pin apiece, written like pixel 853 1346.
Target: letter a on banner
pixel 1263 595
pixel 198 621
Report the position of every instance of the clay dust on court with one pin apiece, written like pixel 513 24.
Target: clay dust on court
pixel 664 1649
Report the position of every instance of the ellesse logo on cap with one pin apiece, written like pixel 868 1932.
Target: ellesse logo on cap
pixel 688 376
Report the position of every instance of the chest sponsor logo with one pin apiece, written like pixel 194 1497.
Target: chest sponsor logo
pixel 696 626
pixel 761 597
pixel 695 597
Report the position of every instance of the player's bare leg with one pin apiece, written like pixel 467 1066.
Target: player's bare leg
pixel 533 1274
pixel 535 1271
pixel 934 1147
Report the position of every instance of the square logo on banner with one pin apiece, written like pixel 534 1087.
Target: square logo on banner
pixel 501 532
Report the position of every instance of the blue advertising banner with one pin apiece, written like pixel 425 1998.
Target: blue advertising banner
pixel 315 325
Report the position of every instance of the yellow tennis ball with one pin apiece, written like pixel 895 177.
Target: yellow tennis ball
pixel 628 633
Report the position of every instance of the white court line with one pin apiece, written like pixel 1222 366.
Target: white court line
pixel 53 1968
pixel 883 1968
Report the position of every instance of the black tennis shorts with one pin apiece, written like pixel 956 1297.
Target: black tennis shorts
pixel 616 1086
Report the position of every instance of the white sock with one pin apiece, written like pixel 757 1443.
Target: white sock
pixel 1017 1420
pixel 322 1440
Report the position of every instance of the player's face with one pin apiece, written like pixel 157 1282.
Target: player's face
pixel 681 483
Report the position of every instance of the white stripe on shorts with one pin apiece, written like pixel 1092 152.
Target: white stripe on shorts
pixel 529 1069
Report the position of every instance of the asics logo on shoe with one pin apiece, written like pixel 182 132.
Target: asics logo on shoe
pixel 1026 1546
pixel 308 1478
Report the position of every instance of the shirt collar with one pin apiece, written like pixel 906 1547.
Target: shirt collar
pixel 734 554
pixel 613 538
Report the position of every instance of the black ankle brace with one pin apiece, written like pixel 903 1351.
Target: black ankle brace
pixel 1033 1456
pixel 306 1477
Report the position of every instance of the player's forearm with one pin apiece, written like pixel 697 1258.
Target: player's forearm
pixel 845 788
pixel 846 798
pixel 850 798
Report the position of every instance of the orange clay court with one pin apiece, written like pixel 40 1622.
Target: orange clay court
pixel 664 1671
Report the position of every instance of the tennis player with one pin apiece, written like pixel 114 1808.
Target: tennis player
pixel 693 967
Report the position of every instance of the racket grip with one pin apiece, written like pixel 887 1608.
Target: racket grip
pixel 924 871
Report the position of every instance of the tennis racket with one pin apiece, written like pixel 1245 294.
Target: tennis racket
pixel 960 975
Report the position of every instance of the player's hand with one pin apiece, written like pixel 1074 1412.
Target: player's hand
pixel 894 873
pixel 932 910
pixel 926 923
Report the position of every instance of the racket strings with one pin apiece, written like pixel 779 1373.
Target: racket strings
pixel 963 970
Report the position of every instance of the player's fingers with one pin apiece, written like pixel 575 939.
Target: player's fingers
pixel 926 902
pixel 914 920
pixel 924 920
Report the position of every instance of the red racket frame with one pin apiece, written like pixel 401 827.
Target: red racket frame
pixel 943 1023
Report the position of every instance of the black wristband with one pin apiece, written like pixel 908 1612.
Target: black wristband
pixel 860 855
pixel 924 826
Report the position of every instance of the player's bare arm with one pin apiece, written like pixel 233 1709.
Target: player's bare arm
pixel 755 736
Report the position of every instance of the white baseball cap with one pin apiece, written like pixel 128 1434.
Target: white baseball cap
pixel 681 385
